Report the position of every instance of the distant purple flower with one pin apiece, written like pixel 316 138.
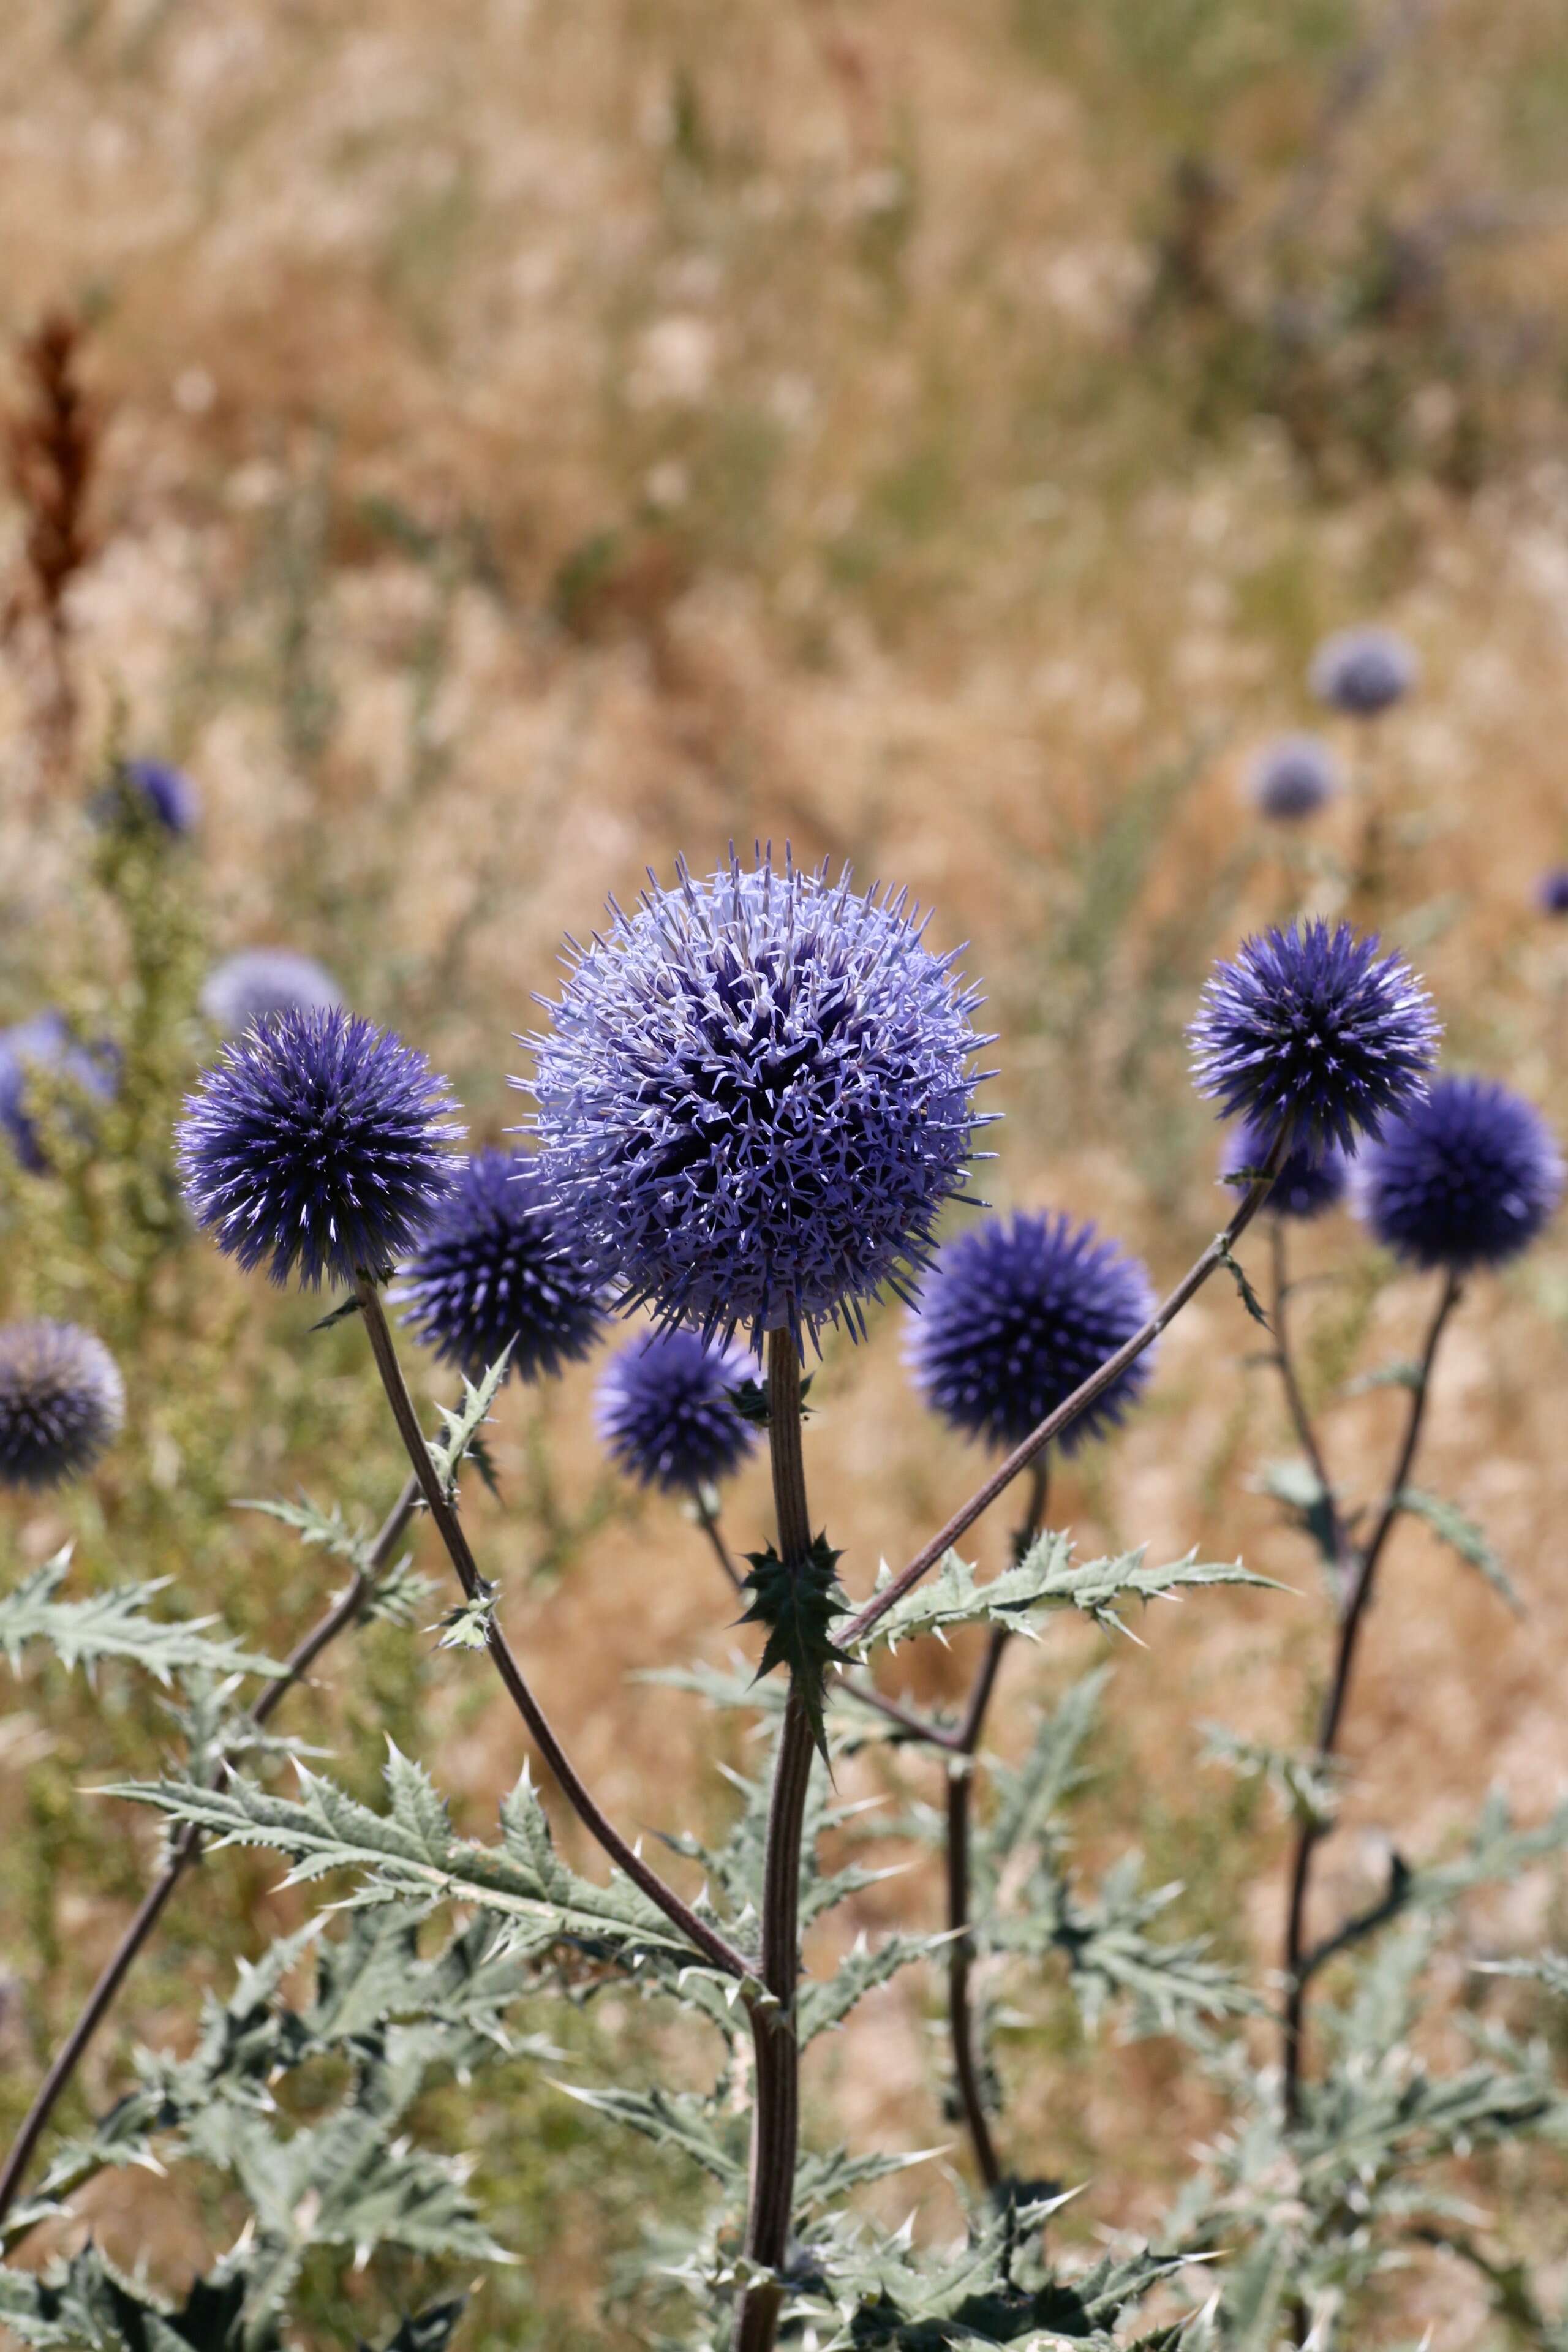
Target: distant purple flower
pixel 756 1097
pixel 1304 1187
pixel 1294 777
pixel 1309 1033
pixel 1016 1315
pixel 1469 1177
pixel 494 1268
pixel 62 1403
pixel 667 1414
pixel 45 1044
pixel 259 982
pixel 318 1143
pixel 1363 671
pixel 1555 892
pixel 150 788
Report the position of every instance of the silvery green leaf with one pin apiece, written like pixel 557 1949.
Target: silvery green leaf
pixel 1448 1523
pixel 460 1429
pixel 116 1624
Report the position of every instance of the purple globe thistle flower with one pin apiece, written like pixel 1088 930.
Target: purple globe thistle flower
pixel 61 1403
pixel 756 1097
pixel 1363 671
pixel 45 1044
pixel 666 1411
pixel 1468 1177
pixel 318 1143
pixel 1294 777
pixel 1553 891
pixel 1304 1187
pixel 1016 1315
pixel 494 1268
pixel 150 789
pixel 259 982
pixel 1311 1034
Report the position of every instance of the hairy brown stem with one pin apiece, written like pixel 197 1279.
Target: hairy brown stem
pixel 186 1849
pixel 968 2074
pixel 776 2113
pixel 1357 1598
pixel 706 1938
pixel 1072 1408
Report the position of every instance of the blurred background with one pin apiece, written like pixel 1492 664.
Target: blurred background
pixel 523 443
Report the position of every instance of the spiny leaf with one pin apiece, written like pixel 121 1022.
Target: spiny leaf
pixel 1047 1577
pixel 459 1430
pixel 410 1853
pixel 1461 1535
pixel 466 1624
pixel 1297 1484
pixel 339 1314
pixel 678 2120
pixel 824 2004
pixel 116 1624
pixel 312 1526
pixel 797 1602
pixel 1404 1372
pixel 1233 1266
pixel 1305 1785
pixel 1026 1798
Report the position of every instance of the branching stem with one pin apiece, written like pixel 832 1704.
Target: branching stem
pixel 1072 1408
pixel 1355 1599
pixel 703 1936
pixel 187 1847
pixel 776 2115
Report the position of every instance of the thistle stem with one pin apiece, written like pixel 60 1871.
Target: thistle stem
pixel 186 1850
pixel 1356 1599
pixel 708 1522
pixel 776 2115
pixel 442 1509
pixel 968 2074
pixel 1301 1419
pixel 1073 1407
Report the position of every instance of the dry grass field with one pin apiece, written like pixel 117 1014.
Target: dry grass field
pixel 541 440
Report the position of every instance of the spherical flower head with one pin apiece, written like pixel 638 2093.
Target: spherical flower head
pixel 1311 1035
pixel 62 1403
pixel 260 981
pixel 317 1144
pixel 756 1096
pixel 1304 1187
pixel 151 790
pixel 45 1044
pixel 1016 1315
pixel 1466 1178
pixel 666 1411
pixel 1553 891
pixel 1363 671
pixel 1294 777
pixel 494 1268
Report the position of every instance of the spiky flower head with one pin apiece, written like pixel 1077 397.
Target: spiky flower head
pixel 150 791
pixel 260 981
pixel 1363 671
pixel 45 1044
pixel 755 1097
pixel 317 1144
pixel 1553 891
pixel 1466 1177
pixel 494 1268
pixel 666 1411
pixel 1294 777
pixel 1304 1187
pixel 1016 1315
pixel 61 1403
pixel 1311 1035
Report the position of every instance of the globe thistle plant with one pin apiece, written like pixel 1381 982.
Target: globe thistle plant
pixel 756 1097
pixel 494 1268
pixel 318 1146
pixel 1304 1186
pixel 151 788
pixel 62 1403
pixel 1294 777
pixel 1311 1036
pixel 1362 672
pixel 1468 1177
pixel 1016 1315
pixel 45 1044
pixel 259 983
pixel 666 1411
